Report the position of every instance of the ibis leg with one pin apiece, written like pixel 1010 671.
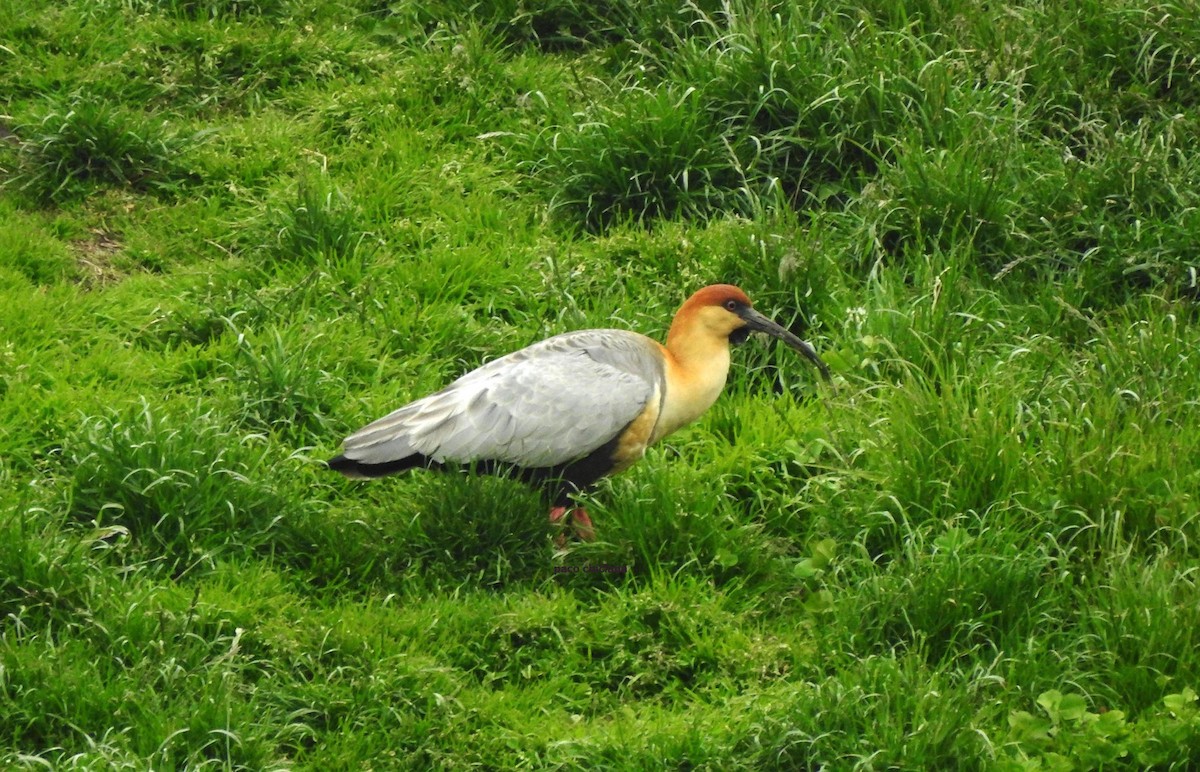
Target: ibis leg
pixel 580 523
pixel 557 515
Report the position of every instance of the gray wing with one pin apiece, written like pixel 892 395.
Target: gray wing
pixel 551 403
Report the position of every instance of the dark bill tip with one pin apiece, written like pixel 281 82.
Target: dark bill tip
pixel 759 323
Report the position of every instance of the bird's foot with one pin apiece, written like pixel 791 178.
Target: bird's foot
pixel 583 524
pixel 580 523
pixel 557 514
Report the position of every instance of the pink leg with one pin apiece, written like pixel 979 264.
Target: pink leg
pixel 557 515
pixel 581 524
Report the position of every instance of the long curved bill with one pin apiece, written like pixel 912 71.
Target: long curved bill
pixel 759 323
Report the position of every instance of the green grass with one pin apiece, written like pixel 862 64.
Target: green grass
pixel 74 147
pixel 233 231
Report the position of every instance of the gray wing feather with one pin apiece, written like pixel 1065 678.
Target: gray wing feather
pixel 545 405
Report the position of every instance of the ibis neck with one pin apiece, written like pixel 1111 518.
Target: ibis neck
pixel 697 363
pixel 696 349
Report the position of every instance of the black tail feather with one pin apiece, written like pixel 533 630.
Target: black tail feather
pixel 558 483
pixel 361 470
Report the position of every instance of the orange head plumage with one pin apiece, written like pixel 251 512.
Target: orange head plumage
pixel 721 314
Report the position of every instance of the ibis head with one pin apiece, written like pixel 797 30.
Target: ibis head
pixel 573 408
pixel 724 311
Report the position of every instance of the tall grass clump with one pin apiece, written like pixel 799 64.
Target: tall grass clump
pixel 827 125
pixel 561 25
pixel 280 386
pixel 926 127
pixel 1024 446
pixel 69 681
pixel 47 572
pixel 83 143
pixel 208 9
pixel 467 74
pixel 956 586
pixel 761 114
pixel 220 68
pixel 188 489
pixel 319 224
pixel 649 154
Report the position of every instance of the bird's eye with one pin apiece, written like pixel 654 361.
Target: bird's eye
pixel 731 305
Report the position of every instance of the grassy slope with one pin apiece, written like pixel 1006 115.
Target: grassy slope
pixel 233 231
